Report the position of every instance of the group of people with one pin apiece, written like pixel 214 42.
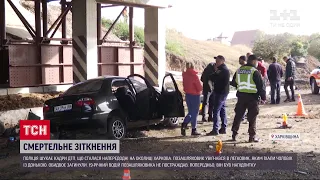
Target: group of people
pixel 250 80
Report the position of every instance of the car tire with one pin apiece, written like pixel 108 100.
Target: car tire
pixel 117 128
pixel 171 122
pixel 314 87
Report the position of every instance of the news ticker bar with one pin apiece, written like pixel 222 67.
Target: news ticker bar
pixel 282 161
pixel 69 146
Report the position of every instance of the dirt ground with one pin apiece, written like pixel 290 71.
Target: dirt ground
pixel 19 101
pixel 161 140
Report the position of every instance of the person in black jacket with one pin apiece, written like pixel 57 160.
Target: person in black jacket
pixel 275 74
pixel 290 78
pixel 248 93
pixel 221 84
pixel 206 91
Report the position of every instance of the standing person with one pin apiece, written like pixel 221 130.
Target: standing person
pixel 192 88
pixel 290 77
pixel 221 83
pixel 242 62
pixel 275 74
pixel 206 91
pixel 263 71
pixel 262 68
pixel 248 97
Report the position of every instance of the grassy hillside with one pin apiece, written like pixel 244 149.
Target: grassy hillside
pixel 180 48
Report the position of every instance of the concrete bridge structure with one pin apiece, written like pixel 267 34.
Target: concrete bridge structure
pixel 47 59
pixel 85 37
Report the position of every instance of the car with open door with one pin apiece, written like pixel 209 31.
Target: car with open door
pixel 114 104
pixel 144 102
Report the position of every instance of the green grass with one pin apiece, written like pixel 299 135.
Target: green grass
pixel 175 48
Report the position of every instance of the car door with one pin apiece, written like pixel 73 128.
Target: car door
pixel 143 96
pixel 171 101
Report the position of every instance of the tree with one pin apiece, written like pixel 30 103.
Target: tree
pixel 314 37
pixel 121 30
pixel 268 46
pixel 279 45
pixel 314 46
pixel 106 23
pixel 139 35
pixel 299 48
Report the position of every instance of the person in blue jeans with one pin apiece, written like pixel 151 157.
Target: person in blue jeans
pixel 192 87
pixel 221 81
pixel 275 74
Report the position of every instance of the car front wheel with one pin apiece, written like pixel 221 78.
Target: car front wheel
pixel 116 128
pixel 171 122
pixel 314 87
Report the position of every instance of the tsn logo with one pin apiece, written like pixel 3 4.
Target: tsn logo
pixel 34 130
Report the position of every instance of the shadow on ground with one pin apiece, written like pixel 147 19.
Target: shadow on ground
pixel 9 166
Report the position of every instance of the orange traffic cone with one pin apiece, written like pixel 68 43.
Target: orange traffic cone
pixel 219 147
pixel 126 174
pixel 300 109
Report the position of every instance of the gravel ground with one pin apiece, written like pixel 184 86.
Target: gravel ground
pixel 161 140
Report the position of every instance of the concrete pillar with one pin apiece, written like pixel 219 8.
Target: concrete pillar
pixel 84 40
pixel 154 47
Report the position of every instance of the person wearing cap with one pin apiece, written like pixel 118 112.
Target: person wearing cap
pixel 290 78
pixel 242 62
pixel 275 74
pixel 206 91
pixel 192 87
pixel 249 88
pixel 221 83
